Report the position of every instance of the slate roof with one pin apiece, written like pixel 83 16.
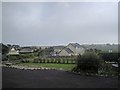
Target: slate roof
pixel 26 49
pixel 75 45
pixel 68 50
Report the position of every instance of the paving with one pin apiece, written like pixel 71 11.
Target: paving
pixel 17 78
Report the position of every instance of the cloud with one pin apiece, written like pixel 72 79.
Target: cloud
pixel 0 22
pixel 54 23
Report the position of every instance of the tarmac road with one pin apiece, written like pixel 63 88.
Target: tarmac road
pixel 17 78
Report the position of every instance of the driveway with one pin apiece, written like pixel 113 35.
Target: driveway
pixel 16 78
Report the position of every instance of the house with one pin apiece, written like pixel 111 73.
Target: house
pixel 72 49
pixel 13 51
pixel 47 52
pixel 17 47
pixel 26 50
pixel 57 49
pixel 76 48
pixel 66 52
pixel 110 50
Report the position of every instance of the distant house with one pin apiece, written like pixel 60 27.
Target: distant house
pixel 26 50
pixel 13 51
pixel 66 52
pixel 76 48
pixel 57 49
pixel 110 50
pixel 72 49
pixel 44 47
pixel 16 47
pixel 47 52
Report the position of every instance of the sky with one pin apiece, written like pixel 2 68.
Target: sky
pixel 59 23
pixel 0 21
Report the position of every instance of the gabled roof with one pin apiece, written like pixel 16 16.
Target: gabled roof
pixel 68 50
pixel 13 49
pixel 75 45
pixel 26 49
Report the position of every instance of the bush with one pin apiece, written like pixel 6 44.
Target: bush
pixel 4 58
pixel 47 61
pixel 13 57
pixel 25 61
pixel 35 60
pixel 107 69
pixel 20 56
pixel 67 61
pixel 63 61
pixel 51 60
pixel 88 62
pixel 43 61
pixel 58 60
pixel 111 57
pixel 119 65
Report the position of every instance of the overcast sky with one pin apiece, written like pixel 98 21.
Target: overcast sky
pixel 59 23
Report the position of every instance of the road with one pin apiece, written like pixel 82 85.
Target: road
pixel 16 78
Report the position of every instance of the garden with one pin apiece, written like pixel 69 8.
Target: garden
pixel 88 63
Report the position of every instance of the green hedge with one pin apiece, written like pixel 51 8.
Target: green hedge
pixel 112 57
pixel 20 56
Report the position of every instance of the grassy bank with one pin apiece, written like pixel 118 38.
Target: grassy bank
pixel 49 65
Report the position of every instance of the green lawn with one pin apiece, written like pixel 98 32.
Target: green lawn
pixel 49 65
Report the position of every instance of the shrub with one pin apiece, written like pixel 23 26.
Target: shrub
pixel 13 57
pixel 119 65
pixel 44 60
pixel 88 62
pixel 4 58
pixel 25 61
pixel 47 60
pixel 40 60
pixel 55 61
pixel 67 61
pixel 112 57
pixel 52 60
pixel 71 60
pixel 58 60
pixel 63 60
pixel 36 60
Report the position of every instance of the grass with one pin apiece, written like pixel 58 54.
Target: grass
pixel 49 65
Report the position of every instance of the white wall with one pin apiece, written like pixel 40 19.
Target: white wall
pixel 64 53
pixel 77 50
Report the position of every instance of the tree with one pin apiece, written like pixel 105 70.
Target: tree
pixel 45 52
pixel 5 49
pixel 88 62
pixel 41 53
